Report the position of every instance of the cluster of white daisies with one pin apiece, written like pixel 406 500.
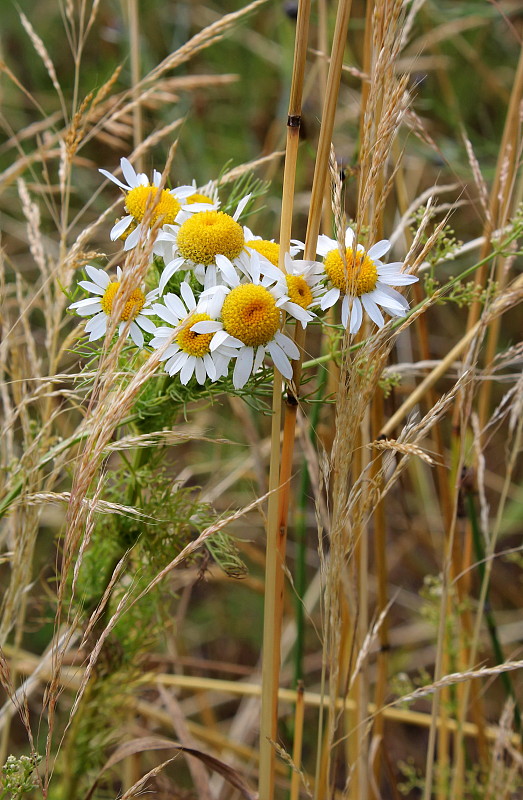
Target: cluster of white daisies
pixel 232 298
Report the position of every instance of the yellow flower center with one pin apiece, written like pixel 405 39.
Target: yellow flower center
pixel 358 277
pixel 198 198
pixel 210 233
pixel 133 306
pixel 196 344
pixel 299 290
pixel 139 199
pixel 249 313
pixel 270 250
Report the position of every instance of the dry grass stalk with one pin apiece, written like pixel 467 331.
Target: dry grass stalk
pixel 279 465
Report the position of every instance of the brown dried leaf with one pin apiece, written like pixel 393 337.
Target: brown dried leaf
pixel 159 743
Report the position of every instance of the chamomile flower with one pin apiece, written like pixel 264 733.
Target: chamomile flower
pixel 208 195
pixel 302 281
pixel 189 353
pixel 363 281
pixel 141 194
pixel 268 249
pixel 99 306
pixel 250 321
pixel 211 243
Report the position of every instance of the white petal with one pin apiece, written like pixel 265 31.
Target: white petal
pixel 166 314
pixel 89 286
pixel 136 334
pixel 325 244
pixel 356 316
pixel 207 326
pixel 168 272
pixel 274 273
pixel 329 298
pixel 134 237
pixel 111 177
pixel 210 366
pixel 258 359
pixel 195 208
pixel 241 205
pixel 389 297
pixel 175 305
pixel 201 372
pixel 299 313
pixel 396 279
pixel 97 327
pixel 226 267
pixel 187 370
pixel 188 296
pixel 289 347
pixel 379 249
pixel 84 308
pixel 281 362
pixel 349 237
pixel 221 364
pixel 128 172
pixel 120 227
pixel 345 311
pixel 99 276
pixel 181 192
pixel 219 338
pixel 145 324
pixel 243 367
pixel 372 310
pixel 169 352
pixel 176 363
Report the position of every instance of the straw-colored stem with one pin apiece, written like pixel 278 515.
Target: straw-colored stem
pixel 380 556
pixel 134 46
pixel 276 536
pixel 299 714
pixel 277 525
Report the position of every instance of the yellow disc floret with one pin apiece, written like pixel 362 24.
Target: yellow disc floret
pixel 139 199
pixel 357 277
pixel 249 313
pixel 299 290
pixel 270 250
pixel 210 233
pixel 131 309
pixel 196 344
pixel 199 198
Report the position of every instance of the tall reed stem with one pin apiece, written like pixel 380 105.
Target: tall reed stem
pixel 275 548
pixel 277 523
